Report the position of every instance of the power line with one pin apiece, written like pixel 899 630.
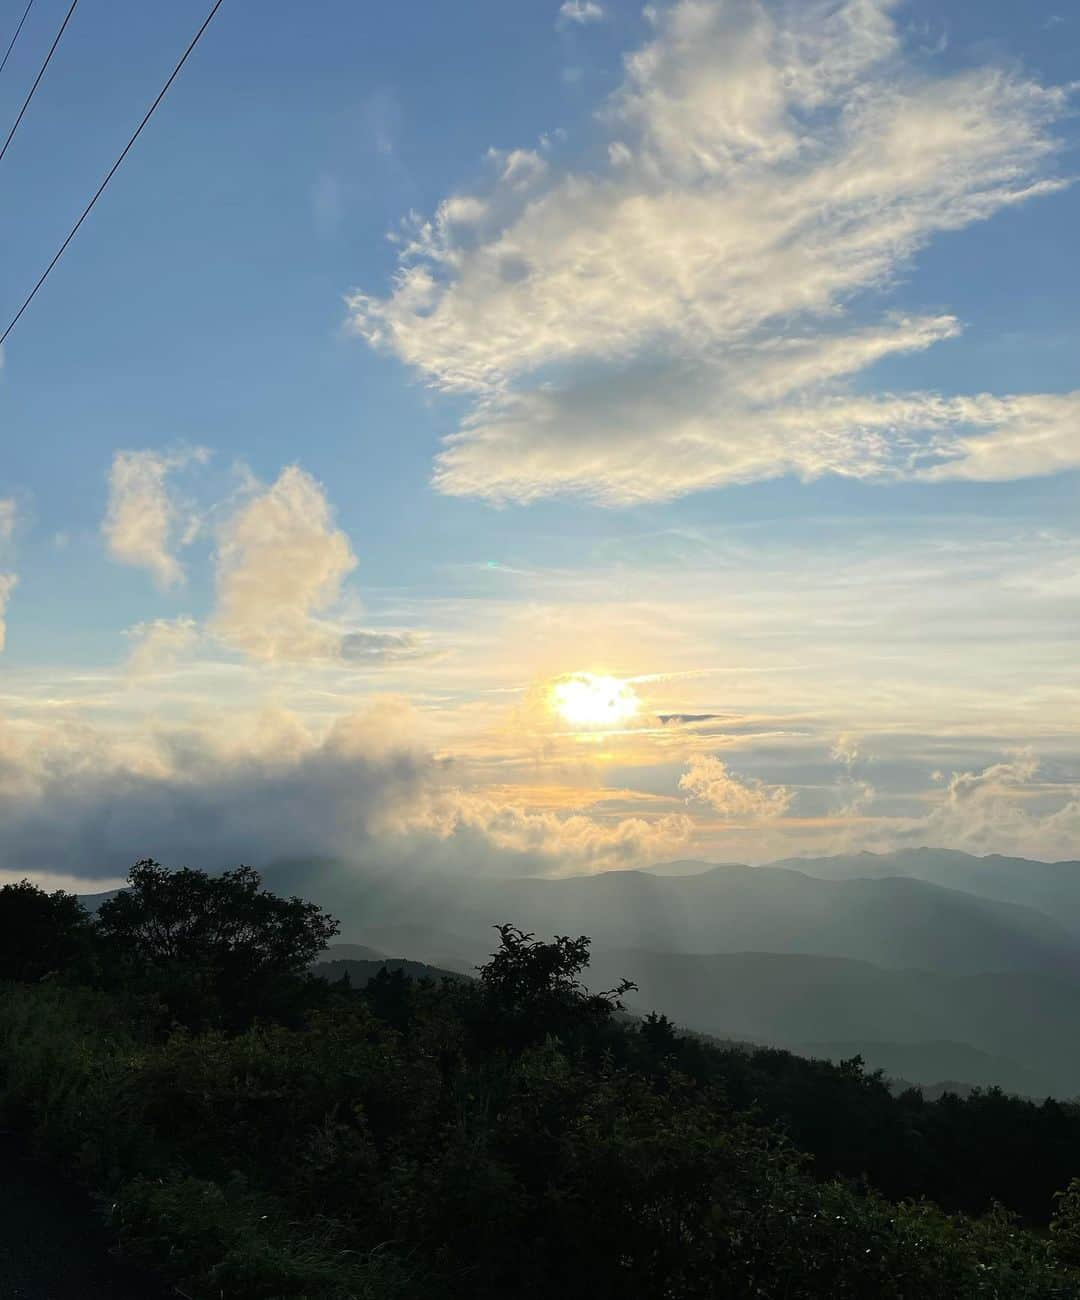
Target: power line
pixel 11 43
pixel 111 172
pixel 37 79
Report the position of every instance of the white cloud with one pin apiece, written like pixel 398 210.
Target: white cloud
pixel 280 567
pixel 542 839
pixel 145 524
pixel 709 781
pixel 1004 808
pixel 266 788
pixel 160 644
pixel 89 802
pixel 846 749
pixel 580 11
pixel 678 320
pixel 8 583
pixel 1029 435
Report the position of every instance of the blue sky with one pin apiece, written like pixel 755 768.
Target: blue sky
pixel 755 330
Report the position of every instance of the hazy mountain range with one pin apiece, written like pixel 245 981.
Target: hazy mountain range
pixel 930 963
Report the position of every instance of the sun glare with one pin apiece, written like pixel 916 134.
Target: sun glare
pixel 587 700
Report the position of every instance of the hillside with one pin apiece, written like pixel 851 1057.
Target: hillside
pixel 360 972
pixel 936 1066
pixel 797 1000
pixel 886 965
pixel 259 1133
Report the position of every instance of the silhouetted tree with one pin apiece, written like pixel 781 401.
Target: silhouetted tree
pixel 658 1033
pixel 530 990
pixel 41 933
pixel 215 948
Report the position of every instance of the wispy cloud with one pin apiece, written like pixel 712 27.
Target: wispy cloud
pixel 8 516
pixel 8 582
pixel 580 12
pixel 690 315
pixel 160 644
pixel 145 523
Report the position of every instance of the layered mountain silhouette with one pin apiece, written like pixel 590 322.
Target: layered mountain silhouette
pixel 1052 887
pixel 891 921
pixel 930 964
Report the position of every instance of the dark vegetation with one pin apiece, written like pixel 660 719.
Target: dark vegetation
pixel 258 1132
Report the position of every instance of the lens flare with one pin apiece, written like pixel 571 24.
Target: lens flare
pixel 589 700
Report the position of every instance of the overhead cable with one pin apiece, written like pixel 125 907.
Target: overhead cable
pixel 11 43
pixel 112 171
pixel 37 79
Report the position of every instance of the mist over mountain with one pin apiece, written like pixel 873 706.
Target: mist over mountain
pixel 1053 887
pixel 953 978
pixel 892 921
pixel 796 1001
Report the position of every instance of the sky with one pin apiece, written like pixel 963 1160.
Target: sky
pixel 539 438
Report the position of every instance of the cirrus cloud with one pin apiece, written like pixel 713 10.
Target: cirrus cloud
pixel 689 314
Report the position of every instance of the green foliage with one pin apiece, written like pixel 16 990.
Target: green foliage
pixel 512 1136
pixel 529 990
pixel 216 949
pixel 220 1241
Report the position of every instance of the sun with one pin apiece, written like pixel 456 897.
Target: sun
pixel 589 700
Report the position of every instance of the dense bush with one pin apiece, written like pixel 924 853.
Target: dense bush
pixel 512 1136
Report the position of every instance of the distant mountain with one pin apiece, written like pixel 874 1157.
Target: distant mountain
pixel 892 921
pixel 1051 887
pixel 351 952
pixel 687 867
pixel 935 1065
pixel 807 1003
pixel 93 901
pixel 360 972
pixel 935 981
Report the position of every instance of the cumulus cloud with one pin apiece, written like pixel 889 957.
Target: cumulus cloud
pixel 545 840
pixel 708 780
pixel 690 315
pixel 145 523
pixel 281 563
pixel 1004 808
pixel 83 802
pixel 281 568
